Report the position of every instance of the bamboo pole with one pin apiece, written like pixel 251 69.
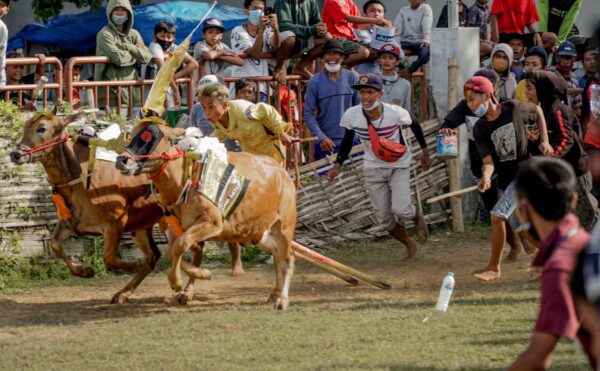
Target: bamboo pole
pixel 453 164
pixel 451 194
pixel 326 268
pixel 339 266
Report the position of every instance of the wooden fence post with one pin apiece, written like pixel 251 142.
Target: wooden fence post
pixel 454 164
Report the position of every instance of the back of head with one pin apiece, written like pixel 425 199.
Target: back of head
pixel 548 184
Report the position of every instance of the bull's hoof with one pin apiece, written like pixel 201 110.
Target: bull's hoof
pixel 273 297
pixel 201 274
pixel 119 298
pixel 183 298
pixel 282 304
pixel 176 284
pixel 84 272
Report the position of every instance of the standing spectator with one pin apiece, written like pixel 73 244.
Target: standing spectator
pixel 259 34
pixel 513 16
pixel 502 142
pixel 536 59
pixel 558 16
pixel 462 16
pixel 517 66
pixel 162 44
pixel 479 16
pixel 212 54
pixel 4 9
pixel 300 22
pixel 566 55
pixel 413 29
pixel 388 182
pixel 589 66
pixel 396 90
pixel 329 94
pixel 545 195
pixel 341 18
pixel 502 56
pixel 564 132
pixel 125 48
pixel 371 9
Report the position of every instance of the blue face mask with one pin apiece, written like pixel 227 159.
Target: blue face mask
pixel 119 19
pixel 254 16
pixel 481 110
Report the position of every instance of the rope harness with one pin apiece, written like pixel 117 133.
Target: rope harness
pixel 59 139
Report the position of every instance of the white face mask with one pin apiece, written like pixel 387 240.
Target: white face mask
pixel 481 110
pixel 373 106
pixel 333 67
pixel 119 19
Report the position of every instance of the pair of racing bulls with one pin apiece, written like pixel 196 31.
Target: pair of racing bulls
pixel 117 202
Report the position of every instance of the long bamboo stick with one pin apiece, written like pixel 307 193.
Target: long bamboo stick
pixel 326 268
pixel 452 194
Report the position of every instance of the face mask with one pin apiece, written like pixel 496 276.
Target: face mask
pixel 565 70
pixel 254 16
pixel 119 19
pixel 481 110
pixel 165 45
pixel 389 78
pixel 373 106
pixel 333 67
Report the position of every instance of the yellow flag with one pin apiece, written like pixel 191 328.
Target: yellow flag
pixel 158 92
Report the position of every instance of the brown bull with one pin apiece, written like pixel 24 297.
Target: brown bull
pixel 265 216
pixel 114 204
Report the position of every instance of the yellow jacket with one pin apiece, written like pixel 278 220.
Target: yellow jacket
pixel 248 124
pixel 520 94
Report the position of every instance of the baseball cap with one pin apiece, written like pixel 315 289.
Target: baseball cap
pixel 213 22
pixel 370 80
pixel 538 51
pixel 567 49
pixel 205 80
pixel 392 49
pixel 480 84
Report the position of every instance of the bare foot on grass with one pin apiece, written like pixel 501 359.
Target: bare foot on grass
pixel 487 274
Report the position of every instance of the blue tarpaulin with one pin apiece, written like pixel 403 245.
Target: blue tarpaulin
pixel 77 32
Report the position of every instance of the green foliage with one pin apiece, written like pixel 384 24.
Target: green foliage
pixel 19 272
pixel 252 254
pixel 93 256
pixel 45 9
pixel 26 212
pixel 10 242
pixel 12 121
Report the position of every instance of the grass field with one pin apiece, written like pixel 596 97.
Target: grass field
pixel 329 325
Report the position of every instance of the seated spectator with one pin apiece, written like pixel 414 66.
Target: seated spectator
pixel 545 195
pixel 513 16
pixel 259 34
pixel 212 55
pixel 125 48
pixel 300 22
pixel 462 16
pixel 413 29
pixel 565 58
pixel 558 17
pixel 589 66
pixel 162 44
pixel 371 9
pixel 536 59
pixel 396 90
pixel 341 17
pixel 502 56
pixel 245 89
pixel 479 16
pixel 517 44
pixel 15 76
pixel 4 9
pixel 329 94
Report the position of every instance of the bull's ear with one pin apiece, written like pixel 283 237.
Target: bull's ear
pixel 177 132
pixel 55 110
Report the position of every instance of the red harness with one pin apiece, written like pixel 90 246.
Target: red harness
pixel 59 139
pixel 165 156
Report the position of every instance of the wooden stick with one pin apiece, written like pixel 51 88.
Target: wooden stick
pixel 452 194
pixel 339 266
pixel 326 268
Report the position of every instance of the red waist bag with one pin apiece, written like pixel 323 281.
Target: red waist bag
pixel 385 149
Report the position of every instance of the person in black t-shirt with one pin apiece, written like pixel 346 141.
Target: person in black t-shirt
pixel 502 142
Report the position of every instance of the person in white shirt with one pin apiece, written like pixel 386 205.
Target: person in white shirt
pixel 212 54
pixel 396 90
pixel 413 30
pixel 4 9
pixel 372 9
pixel 387 180
pixel 254 37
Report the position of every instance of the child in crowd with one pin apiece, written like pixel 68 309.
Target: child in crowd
pixel 162 44
pixel 15 76
pixel 535 60
pixel 372 9
pixel 259 34
pixel 589 65
pixel 396 90
pixel 245 89
pixel 212 55
pixel 479 16
pixel 413 30
pixel 502 57
pixel 566 55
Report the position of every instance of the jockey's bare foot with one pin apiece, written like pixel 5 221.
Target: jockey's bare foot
pixel 303 72
pixel 237 270
pixel 487 274
pixel 279 75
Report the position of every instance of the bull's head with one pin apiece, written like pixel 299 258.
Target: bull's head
pixel 40 133
pixel 150 140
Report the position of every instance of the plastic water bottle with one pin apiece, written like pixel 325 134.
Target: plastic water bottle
pixel 445 292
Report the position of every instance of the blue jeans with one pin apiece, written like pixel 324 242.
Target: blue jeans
pixel 422 54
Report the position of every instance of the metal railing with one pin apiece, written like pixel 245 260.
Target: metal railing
pixel 20 89
pixel 107 85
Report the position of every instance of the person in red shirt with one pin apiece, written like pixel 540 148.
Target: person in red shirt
pixel 513 16
pixel 546 192
pixel 341 17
